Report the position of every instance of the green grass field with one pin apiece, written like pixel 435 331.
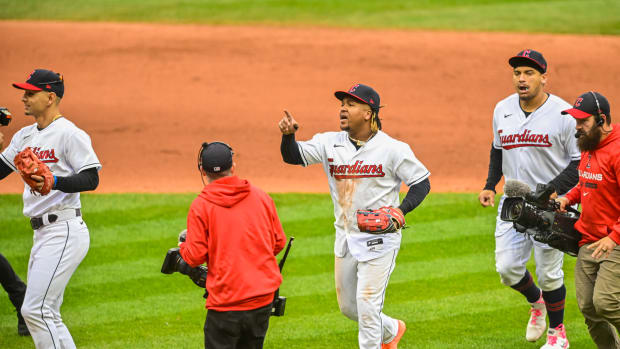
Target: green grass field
pixel 444 286
pixel 553 16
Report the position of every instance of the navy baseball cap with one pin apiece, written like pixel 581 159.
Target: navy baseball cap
pixel 216 157
pixel 588 104
pixel 43 80
pixel 529 58
pixel 363 93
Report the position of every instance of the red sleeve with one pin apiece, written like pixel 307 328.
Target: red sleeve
pixel 276 227
pixel 615 229
pixel 195 248
pixel 574 195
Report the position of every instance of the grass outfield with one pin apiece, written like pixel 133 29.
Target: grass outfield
pixel 444 286
pixel 552 16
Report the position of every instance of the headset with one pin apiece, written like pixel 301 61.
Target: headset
pixel 599 119
pixel 204 146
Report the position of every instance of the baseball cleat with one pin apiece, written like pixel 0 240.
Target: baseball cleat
pixel 537 324
pixel 394 343
pixel 556 338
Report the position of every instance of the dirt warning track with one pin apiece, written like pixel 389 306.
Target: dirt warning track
pixel 149 95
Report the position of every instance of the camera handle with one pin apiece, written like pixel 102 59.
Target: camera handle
pixel 279 303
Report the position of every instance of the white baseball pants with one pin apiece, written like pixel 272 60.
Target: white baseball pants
pixel 57 251
pixel 360 287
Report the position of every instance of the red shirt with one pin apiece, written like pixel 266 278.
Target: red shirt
pixel 234 227
pixel 598 191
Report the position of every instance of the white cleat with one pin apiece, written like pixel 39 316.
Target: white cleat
pixel 537 324
pixel 556 338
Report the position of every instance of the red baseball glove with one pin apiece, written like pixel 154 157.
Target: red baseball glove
pixel 383 220
pixel 28 164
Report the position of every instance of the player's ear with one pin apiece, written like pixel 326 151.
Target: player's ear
pixel 51 98
pixel 543 78
pixel 368 115
pixel 232 168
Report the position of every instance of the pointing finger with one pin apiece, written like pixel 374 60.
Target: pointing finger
pixel 288 115
pixel 291 120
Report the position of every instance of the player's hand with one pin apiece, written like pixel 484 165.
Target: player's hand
pixel 288 125
pixel 487 198
pixel 40 181
pixel 397 223
pixel 563 203
pixel 602 248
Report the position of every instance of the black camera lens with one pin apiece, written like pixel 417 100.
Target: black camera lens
pixel 515 211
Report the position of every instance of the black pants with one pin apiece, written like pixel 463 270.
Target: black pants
pixel 237 329
pixel 12 284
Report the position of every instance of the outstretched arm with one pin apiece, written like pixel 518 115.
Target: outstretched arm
pixel 288 148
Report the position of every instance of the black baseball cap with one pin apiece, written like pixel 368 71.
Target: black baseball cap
pixel 216 157
pixel 529 58
pixel 363 93
pixel 586 105
pixel 43 80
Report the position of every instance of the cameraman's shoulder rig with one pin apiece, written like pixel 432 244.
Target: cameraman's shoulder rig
pixel 535 214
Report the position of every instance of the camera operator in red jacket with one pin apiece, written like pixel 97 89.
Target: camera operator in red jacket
pixel 597 271
pixel 233 227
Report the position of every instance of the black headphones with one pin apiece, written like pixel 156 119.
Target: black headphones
pixel 599 119
pixel 204 146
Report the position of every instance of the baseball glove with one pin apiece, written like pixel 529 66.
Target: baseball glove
pixel 383 220
pixel 28 164
pixel 5 116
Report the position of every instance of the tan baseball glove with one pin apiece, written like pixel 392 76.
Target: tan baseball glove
pixel 28 165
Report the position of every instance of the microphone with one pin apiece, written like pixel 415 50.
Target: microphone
pixel 514 187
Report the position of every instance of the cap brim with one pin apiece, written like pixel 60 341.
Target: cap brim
pixel 26 86
pixel 518 61
pixel 576 113
pixel 341 94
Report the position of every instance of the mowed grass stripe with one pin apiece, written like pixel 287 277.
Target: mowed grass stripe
pixel 444 285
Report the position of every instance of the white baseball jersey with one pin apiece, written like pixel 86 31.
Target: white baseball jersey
pixel 538 147
pixel 65 149
pixel 364 178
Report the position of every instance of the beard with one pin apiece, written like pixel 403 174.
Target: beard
pixel 588 141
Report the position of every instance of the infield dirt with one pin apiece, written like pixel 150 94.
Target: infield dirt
pixel 149 95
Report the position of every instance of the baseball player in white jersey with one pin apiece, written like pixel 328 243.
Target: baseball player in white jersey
pixel 61 238
pixel 533 143
pixel 365 168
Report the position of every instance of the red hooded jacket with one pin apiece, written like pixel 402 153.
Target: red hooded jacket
pixel 234 227
pixel 598 191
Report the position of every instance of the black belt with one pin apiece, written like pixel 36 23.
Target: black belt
pixel 37 222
